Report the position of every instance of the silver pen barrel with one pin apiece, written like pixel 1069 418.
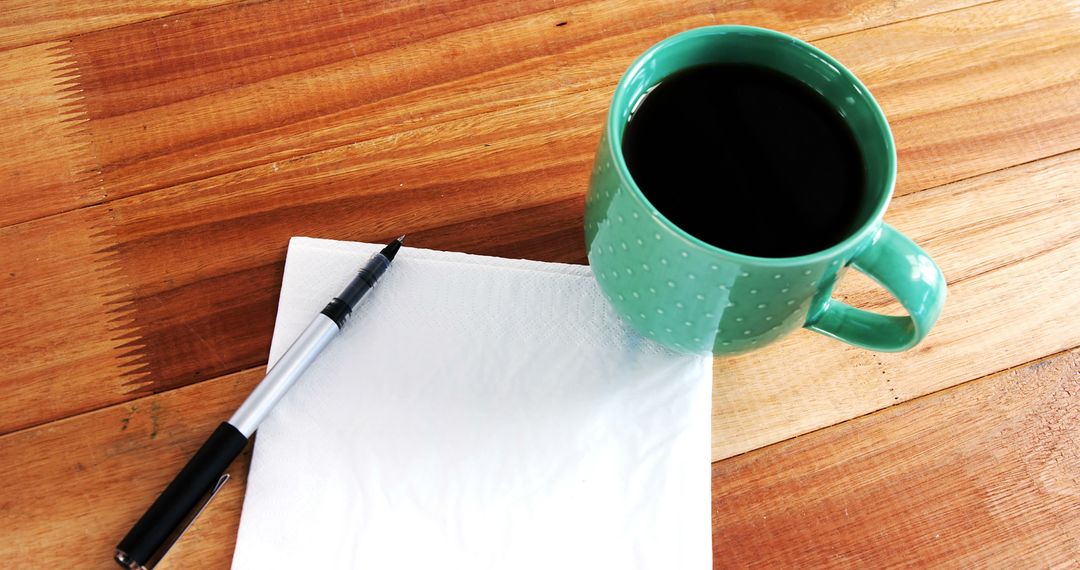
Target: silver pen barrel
pixel 303 351
pixel 284 374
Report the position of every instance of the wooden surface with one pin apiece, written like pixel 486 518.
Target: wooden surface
pixel 160 154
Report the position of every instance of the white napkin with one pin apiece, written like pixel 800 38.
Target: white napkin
pixel 477 412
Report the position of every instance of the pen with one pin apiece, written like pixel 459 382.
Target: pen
pixel 200 480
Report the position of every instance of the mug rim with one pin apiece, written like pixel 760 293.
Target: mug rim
pixel 615 144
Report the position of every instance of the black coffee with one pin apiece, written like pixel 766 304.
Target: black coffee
pixel 747 159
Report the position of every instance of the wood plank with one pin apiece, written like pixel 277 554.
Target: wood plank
pixel 53 169
pixel 212 91
pixel 983 475
pixel 25 22
pixel 72 488
pixel 1008 243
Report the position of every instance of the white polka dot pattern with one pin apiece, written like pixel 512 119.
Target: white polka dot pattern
pixel 685 295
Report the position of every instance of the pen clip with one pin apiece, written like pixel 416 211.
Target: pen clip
pixel 186 524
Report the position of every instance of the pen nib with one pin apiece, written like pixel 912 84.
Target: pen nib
pixel 392 248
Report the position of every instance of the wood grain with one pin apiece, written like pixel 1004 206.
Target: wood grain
pixel 25 22
pixel 493 159
pixel 1008 242
pixel 53 169
pixel 71 489
pixel 80 355
pixel 197 94
pixel 983 475
pixel 975 90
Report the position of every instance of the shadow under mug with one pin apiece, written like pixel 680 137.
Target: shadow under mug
pixel 692 296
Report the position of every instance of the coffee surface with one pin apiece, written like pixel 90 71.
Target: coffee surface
pixel 747 159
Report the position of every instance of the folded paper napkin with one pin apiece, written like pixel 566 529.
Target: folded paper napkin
pixel 477 412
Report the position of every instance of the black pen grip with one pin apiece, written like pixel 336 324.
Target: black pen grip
pixel 178 500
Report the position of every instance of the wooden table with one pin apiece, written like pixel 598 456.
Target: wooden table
pixel 160 153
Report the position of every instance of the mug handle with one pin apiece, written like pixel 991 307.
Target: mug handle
pixel 906 271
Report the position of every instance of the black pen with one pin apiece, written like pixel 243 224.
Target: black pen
pixel 199 481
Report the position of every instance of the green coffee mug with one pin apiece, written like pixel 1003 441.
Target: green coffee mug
pixel 689 295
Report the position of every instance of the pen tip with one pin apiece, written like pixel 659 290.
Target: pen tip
pixel 392 248
pixel 401 238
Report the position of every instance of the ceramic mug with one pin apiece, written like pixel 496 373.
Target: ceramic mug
pixel 693 296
